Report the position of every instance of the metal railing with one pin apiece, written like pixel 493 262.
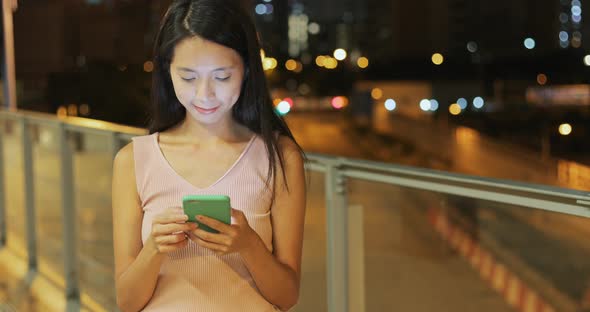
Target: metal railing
pixel 344 293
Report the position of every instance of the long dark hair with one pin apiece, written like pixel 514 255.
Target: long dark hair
pixel 224 22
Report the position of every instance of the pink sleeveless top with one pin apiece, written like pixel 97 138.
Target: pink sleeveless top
pixel 194 278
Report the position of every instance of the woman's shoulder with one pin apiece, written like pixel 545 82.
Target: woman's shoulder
pixel 124 157
pixel 289 148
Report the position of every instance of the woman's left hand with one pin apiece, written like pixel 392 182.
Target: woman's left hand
pixel 236 237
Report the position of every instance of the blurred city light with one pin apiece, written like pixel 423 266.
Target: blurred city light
pixel 298 67
pixel 462 103
pixel 587 60
pixel 529 43
pixel 376 93
pixel 362 62
pixel 269 8
pixel 330 63
pixel 340 54
pixel 283 107
pixel 563 36
pixel 262 55
pixel 541 79
pixel 313 28
pixel 84 110
pixel 576 18
pixel 563 18
pixel 260 9
pixel 72 110
pixel 564 44
pixel 478 102
pixel 320 60
pixel 433 105
pixel 576 10
pixel 455 109
pixel 472 46
pixel 576 39
pixel 62 111
pixel 269 63
pixel 276 102
pixel 437 59
pixel 565 129
pixel 390 105
pixel 148 66
pixel 339 102
pixel 290 64
pixel 576 43
pixel 289 100
pixel 425 105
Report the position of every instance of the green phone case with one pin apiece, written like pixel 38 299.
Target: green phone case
pixel 217 207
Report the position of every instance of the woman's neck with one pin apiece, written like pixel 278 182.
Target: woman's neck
pixel 229 131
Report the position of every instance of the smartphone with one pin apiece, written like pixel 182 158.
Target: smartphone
pixel 213 206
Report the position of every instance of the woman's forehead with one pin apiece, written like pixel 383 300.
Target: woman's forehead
pixel 197 52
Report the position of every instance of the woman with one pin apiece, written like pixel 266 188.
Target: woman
pixel 213 132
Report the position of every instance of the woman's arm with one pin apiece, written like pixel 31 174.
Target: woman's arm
pixel 137 266
pixel 276 274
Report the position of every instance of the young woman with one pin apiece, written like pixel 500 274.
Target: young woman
pixel 214 132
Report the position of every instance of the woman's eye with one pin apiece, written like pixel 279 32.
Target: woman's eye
pixel 222 78
pixel 187 79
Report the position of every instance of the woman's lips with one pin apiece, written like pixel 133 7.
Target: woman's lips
pixel 206 111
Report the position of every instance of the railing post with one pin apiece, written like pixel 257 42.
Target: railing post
pixel 356 258
pixel 27 148
pixel 8 72
pixel 2 191
pixel 337 245
pixel 69 221
pixel 114 144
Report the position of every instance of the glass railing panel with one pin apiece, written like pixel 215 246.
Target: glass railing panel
pixel 406 265
pixel 14 194
pixel 93 160
pixel 45 143
pixel 313 267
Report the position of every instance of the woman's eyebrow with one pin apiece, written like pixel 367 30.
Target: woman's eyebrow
pixel 186 69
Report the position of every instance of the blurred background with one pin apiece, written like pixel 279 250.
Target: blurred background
pixel 476 113
pixel 512 71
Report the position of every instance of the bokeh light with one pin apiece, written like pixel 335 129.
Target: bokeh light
pixel 541 79
pixel 478 102
pixel 565 129
pixel 362 62
pixel 340 54
pixel 284 107
pixel 455 109
pixel 437 59
pixel 390 104
pixel 376 93
pixel 529 43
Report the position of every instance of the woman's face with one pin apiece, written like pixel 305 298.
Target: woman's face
pixel 207 79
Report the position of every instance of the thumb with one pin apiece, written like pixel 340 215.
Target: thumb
pixel 238 215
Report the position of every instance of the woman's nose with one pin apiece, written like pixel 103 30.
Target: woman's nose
pixel 204 89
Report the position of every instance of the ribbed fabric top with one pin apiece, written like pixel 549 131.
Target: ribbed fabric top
pixel 194 278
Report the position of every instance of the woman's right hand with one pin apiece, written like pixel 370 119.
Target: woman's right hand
pixel 169 230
